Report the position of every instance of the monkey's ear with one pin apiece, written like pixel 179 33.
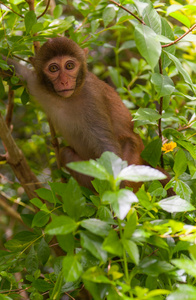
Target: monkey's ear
pixel 85 51
pixel 32 60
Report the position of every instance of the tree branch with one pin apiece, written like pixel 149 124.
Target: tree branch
pixel 45 10
pixel 36 44
pixel 55 143
pixel 10 108
pixel 127 10
pixel 181 37
pixel 11 9
pixel 9 210
pixel 18 162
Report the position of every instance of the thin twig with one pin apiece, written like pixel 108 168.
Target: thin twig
pixel 18 57
pixel 127 10
pixel 55 143
pixel 11 9
pixel 160 112
pixel 181 37
pixel 45 10
pixel 10 108
pixel 9 210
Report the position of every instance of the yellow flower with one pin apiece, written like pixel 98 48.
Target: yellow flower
pixel 167 147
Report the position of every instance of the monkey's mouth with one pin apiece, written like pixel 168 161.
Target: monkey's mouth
pixel 65 93
pixel 67 90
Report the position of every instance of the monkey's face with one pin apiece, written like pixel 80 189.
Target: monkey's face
pixel 62 72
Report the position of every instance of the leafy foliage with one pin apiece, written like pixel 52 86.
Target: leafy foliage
pixel 118 244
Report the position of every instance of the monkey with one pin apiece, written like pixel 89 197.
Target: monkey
pixel 87 112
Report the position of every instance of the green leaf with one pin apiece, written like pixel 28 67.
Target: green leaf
pixel 158 241
pixel 183 292
pixel 96 226
pixel 167 32
pixel 56 293
pixel 43 251
pixel 112 244
pixel 21 241
pixel 132 250
pixel 94 245
pixel 180 163
pixel 108 16
pixel 14 80
pixel 163 84
pixel 174 133
pixel 37 27
pixel 31 262
pixel 126 45
pixel 73 200
pixel 90 168
pixel 187 265
pixel 66 242
pixel 2 89
pixel 30 20
pixel 46 195
pixel 144 199
pixel 154 267
pixel 115 76
pixel 96 274
pixel 140 173
pixel 147 44
pixel 42 285
pixel 183 190
pixel 142 6
pixel 147 114
pixel 181 18
pixel 58 10
pixel 175 204
pixel 112 163
pixel 120 201
pixel 72 269
pixel 130 225
pixel 3 65
pixel 61 225
pixel 181 70
pixel 188 146
pixel 40 219
pixel 152 152
pixel 152 18
pixel 3 297
pixel 94 25
pixel 37 202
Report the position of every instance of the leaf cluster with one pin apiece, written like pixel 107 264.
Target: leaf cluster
pixel 117 244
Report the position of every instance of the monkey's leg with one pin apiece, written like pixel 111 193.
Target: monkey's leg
pixel 67 155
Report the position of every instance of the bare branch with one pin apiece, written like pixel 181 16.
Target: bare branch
pixel 18 162
pixel 11 9
pixel 10 107
pixel 9 210
pixel 181 37
pixel 31 4
pixel 44 10
pixel 55 143
pixel 127 10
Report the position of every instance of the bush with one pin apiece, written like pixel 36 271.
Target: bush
pixel 58 238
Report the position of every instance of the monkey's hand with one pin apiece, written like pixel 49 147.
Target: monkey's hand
pixel 67 155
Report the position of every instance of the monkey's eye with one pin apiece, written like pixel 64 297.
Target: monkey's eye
pixel 53 68
pixel 70 66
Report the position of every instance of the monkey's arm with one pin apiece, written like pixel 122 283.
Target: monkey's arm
pixel 15 68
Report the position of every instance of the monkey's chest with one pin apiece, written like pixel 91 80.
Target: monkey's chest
pixel 71 126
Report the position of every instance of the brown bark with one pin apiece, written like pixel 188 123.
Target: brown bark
pixel 18 162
